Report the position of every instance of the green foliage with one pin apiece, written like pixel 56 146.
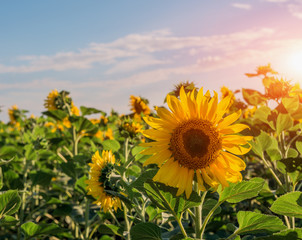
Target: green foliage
pixel 238 192
pixel 148 231
pixel 32 230
pixel 10 202
pixel 252 222
pixel 289 204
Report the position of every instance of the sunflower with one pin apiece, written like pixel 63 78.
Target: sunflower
pixel 50 100
pixel 139 105
pixel 193 142
pixel 12 113
pixel 99 182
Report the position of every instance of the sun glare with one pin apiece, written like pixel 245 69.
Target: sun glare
pixel 295 63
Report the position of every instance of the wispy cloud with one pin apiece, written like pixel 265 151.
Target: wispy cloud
pixel 133 51
pixel 244 6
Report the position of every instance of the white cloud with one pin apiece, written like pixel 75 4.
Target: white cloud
pixel 244 6
pixel 134 51
pixel 295 9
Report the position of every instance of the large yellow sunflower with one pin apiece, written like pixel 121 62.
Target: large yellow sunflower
pixel 101 168
pixel 194 142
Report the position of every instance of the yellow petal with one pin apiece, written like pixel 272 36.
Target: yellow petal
pixel 158 158
pixel 229 120
pixel 238 150
pixel 201 187
pixel 212 107
pixel 235 162
pixel 235 128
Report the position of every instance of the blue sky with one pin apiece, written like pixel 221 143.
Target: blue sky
pixel 105 51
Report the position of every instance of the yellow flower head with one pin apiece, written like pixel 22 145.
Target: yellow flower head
pixel 225 92
pixel 188 86
pixel 50 100
pixel 101 168
pixel 75 110
pixel 193 139
pixel 262 70
pixel 278 88
pixel 139 105
pixel 12 113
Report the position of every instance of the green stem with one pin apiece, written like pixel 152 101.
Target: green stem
pixel 75 141
pixel 23 197
pixel 272 172
pixel 232 235
pixel 206 220
pixel 87 226
pixel 198 212
pixel 126 221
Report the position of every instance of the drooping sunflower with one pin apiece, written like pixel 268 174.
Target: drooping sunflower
pixel 99 182
pixel 50 100
pixel 194 142
pixel 139 105
pixel 12 113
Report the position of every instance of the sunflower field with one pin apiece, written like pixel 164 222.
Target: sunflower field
pixel 205 165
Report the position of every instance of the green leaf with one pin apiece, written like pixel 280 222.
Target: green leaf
pixel 31 229
pixel 8 152
pixel 165 197
pixel 58 115
pixel 80 185
pixel 288 234
pixel 143 178
pixel 253 97
pixel 89 111
pixel 146 231
pixel 263 142
pixel 291 104
pixel 111 229
pixel 42 177
pixel 289 204
pixel 274 154
pixel 208 206
pixel 10 202
pixel 238 192
pixel 252 222
pixel 111 144
pixel 1 178
pixel 292 153
pixel 292 166
pixel 284 122
pixel 299 146
pixel 83 124
pixel 7 221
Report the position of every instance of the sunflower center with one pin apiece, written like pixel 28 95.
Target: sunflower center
pixel 106 178
pixel 195 143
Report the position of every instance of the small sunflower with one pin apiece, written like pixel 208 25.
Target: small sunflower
pixel 99 182
pixel 194 142
pixel 12 113
pixel 50 101
pixel 139 105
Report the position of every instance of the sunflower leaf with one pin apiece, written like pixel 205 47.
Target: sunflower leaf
pixel 252 222
pixel 31 229
pixel 10 202
pixel 289 204
pixel 147 231
pixel 238 192
pixel 292 234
